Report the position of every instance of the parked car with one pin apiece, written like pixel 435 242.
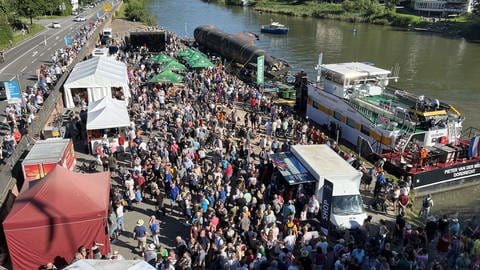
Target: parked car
pixel 56 25
pixel 79 19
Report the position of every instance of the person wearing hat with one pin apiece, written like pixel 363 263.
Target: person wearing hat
pixel 140 234
pixel 116 256
pixel 150 255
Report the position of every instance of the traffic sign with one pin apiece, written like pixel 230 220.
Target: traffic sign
pixel 12 91
pixel 107 7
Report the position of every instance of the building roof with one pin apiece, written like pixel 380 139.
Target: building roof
pixel 355 69
pixel 50 150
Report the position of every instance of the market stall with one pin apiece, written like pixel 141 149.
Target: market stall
pixel 96 78
pixel 52 219
pixel 45 155
pixel 110 264
pixel 105 117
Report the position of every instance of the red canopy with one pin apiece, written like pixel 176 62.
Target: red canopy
pixel 57 215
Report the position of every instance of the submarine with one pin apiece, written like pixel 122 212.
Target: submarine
pixel 239 48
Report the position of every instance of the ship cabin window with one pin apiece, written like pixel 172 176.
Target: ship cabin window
pixel 351 123
pixel 338 116
pixel 418 138
pixel 333 76
pixel 365 130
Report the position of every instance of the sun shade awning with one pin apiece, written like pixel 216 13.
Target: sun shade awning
pixel 291 168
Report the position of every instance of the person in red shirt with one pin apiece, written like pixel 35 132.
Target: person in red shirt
pixel 139 180
pixel 121 140
pixel 403 201
pixel 17 135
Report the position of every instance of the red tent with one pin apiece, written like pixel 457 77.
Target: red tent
pixel 51 220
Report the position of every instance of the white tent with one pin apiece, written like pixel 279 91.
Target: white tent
pixel 98 75
pixel 110 265
pixel 107 113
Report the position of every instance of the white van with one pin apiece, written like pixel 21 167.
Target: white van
pixel 97 52
pixel 107 32
pixel 323 163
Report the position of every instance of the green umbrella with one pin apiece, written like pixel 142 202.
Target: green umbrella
pixel 186 52
pixel 161 58
pixel 192 54
pixel 167 76
pixel 174 65
pixel 201 62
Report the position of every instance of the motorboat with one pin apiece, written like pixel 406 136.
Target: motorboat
pixel 274 28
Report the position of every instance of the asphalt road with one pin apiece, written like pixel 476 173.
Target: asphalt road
pixel 22 60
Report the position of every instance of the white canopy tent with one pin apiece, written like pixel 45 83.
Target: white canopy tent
pixel 110 265
pixel 98 75
pixel 107 113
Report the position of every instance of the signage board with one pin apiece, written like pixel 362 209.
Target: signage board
pixel 12 91
pixel 260 69
pixel 107 7
pixel 68 41
pixel 326 206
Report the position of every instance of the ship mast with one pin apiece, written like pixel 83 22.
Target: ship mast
pixel 318 68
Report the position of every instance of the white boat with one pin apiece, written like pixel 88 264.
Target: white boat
pixel 419 136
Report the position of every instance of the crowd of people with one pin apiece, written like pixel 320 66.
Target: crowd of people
pixel 20 115
pixel 203 149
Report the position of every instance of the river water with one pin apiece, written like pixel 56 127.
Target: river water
pixel 441 67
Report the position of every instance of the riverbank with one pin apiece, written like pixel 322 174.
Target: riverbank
pixel 137 11
pixel 374 13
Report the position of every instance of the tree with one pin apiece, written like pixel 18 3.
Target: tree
pixel 30 8
pixel 476 7
pixel 390 5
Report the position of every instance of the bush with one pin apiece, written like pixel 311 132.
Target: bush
pixel 6 34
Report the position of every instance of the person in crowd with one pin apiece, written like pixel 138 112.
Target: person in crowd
pixel 207 148
pixel 140 234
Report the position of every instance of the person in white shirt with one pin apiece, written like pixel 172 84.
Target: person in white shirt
pixel 289 240
pixel 313 207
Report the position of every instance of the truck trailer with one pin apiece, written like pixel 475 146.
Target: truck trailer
pixel 306 164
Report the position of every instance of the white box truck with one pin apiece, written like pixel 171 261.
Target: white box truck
pixel 323 163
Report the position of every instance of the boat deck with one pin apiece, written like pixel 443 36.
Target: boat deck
pixel 380 110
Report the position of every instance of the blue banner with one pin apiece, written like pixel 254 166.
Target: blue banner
pixel 68 41
pixel 12 91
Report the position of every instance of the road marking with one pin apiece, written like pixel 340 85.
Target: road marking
pixel 33 61
pixel 23 69
pixel 34 53
pixel 56 38
pixel 42 53
pixel 55 44
pixel 11 79
pixel 34 47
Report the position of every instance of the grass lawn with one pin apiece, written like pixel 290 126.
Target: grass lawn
pixel 120 13
pixel 46 17
pixel 19 37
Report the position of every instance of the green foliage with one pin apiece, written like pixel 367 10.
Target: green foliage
pixel 476 8
pixel 34 8
pixel 136 10
pixel 6 34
